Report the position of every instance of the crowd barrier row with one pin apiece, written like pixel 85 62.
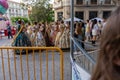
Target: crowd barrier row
pixel 37 63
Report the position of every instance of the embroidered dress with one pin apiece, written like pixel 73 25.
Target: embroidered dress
pixel 65 39
pixel 29 30
pixel 57 39
pixel 59 42
pixel 22 40
pixel 33 38
pixel 40 40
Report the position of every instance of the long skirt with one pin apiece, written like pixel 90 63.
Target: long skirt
pixel 22 40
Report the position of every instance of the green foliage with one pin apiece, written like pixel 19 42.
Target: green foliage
pixel 42 12
pixel 14 19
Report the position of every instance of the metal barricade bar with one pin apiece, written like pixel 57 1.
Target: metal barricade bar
pixel 27 66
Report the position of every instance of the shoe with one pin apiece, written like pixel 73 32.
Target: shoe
pixel 79 52
pixel 75 53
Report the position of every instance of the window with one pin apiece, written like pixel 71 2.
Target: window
pixel 93 14
pixel 93 1
pixel 9 10
pixel 107 1
pixel 79 2
pixel 79 15
pixel 59 15
pixel 106 14
pixel 16 11
pixel 12 10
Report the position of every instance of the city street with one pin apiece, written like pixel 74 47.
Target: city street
pixel 7 42
pixel 76 32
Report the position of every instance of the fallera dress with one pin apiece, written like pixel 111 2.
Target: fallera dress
pixel 22 40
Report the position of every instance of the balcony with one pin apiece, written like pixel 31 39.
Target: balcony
pixel 58 4
pixel 99 3
pixel 117 2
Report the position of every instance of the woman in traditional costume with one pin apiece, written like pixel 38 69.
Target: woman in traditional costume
pixel 29 29
pixel 52 38
pixel 33 36
pixel 58 42
pixel 55 31
pixel 65 37
pixel 40 39
pixel 21 39
pixel 48 31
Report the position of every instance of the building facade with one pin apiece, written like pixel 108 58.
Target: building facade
pixel 15 9
pixel 83 9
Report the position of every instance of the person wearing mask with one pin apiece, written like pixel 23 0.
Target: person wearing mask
pixel 108 63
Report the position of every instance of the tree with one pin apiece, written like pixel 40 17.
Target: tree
pixel 14 19
pixel 42 11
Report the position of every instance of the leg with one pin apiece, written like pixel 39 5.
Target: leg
pixel 11 35
pixel 8 35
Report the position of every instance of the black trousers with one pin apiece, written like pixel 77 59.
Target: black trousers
pixel 10 35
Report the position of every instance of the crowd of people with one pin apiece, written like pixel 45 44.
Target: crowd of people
pixel 42 34
pixel 57 33
pixel 88 32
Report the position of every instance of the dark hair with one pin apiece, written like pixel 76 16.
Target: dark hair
pixel 39 24
pixel 56 23
pixel 87 20
pixel 19 21
pixel 106 68
pixel 79 27
pixel 35 23
pixel 95 21
pixel 99 21
pixel 29 23
pixel 69 23
pixel 62 21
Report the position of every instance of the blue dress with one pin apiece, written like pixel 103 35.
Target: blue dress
pixel 22 40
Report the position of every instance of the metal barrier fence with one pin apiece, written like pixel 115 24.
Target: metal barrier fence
pixel 85 63
pixel 86 60
pixel 37 63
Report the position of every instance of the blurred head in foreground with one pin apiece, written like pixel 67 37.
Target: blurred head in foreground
pixel 108 64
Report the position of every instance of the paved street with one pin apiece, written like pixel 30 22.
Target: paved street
pixel 7 42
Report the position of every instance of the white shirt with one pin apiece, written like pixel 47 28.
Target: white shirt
pixel 95 29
